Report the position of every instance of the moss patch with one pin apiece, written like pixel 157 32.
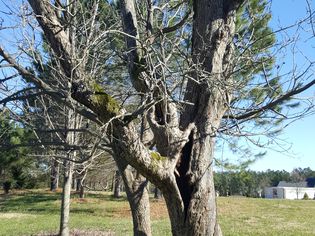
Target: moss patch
pixel 105 104
pixel 156 156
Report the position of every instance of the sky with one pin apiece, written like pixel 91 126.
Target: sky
pixel 300 134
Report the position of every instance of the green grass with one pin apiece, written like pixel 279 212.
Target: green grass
pixel 35 212
pixel 250 216
pixel 29 213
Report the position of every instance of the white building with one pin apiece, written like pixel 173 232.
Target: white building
pixel 286 190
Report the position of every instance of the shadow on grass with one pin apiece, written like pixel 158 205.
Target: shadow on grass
pixel 45 203
pixel 102 196
pixel 37 202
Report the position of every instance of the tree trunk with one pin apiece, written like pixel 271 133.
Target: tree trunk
pixel 157 193
pixel 192 209
pixel 79 187
pixel 74 183
pixel 138 198
pixel 81 193
pixel 65 203
pixel 117 184
pixel 187 188
pixel 78 184
pixel 54 175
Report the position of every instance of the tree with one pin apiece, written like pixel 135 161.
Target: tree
pixel 184 71
pixel 45 65
pixel 17 169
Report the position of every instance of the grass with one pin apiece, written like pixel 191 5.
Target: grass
pixel 35 212
pixel 249 216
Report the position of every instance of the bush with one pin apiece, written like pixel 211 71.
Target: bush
pixel 305 197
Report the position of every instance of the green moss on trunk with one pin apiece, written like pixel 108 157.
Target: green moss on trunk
pixel 105 105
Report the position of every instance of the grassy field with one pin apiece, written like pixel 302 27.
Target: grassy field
pixel 36 212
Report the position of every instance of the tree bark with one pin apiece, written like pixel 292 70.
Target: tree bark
pixel 73 122
pixel 138 198
pixel 79 187
pixel 81 193
pixel 192 208
pixel 65 203
pixel 157 193
pixel 78 184
pixel 117 183
pixel 54 175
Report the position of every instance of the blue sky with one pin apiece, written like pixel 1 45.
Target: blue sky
pixel 300 134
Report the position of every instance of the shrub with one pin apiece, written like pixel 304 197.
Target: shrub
pixel 305 197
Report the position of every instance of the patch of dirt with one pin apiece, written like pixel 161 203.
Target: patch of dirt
pixel 84 200
pixel 80 232
pixel 158 210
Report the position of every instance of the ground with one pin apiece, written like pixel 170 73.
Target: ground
pixel 36 213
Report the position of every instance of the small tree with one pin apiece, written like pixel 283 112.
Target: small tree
pixel 305 197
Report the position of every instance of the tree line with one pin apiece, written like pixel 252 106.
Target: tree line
pixel 252 183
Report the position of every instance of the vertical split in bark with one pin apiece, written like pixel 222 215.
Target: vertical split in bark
pixel 182 178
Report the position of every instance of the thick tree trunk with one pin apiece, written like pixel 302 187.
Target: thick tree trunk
pixel 117 184
pixel 192 209
pixel 65 203
pixel 54 175
pixel 138 198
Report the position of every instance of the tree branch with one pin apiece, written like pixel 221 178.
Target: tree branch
pixel 270 105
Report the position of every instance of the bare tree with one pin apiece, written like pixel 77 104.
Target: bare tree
pixel 184 70
pixel 57 79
